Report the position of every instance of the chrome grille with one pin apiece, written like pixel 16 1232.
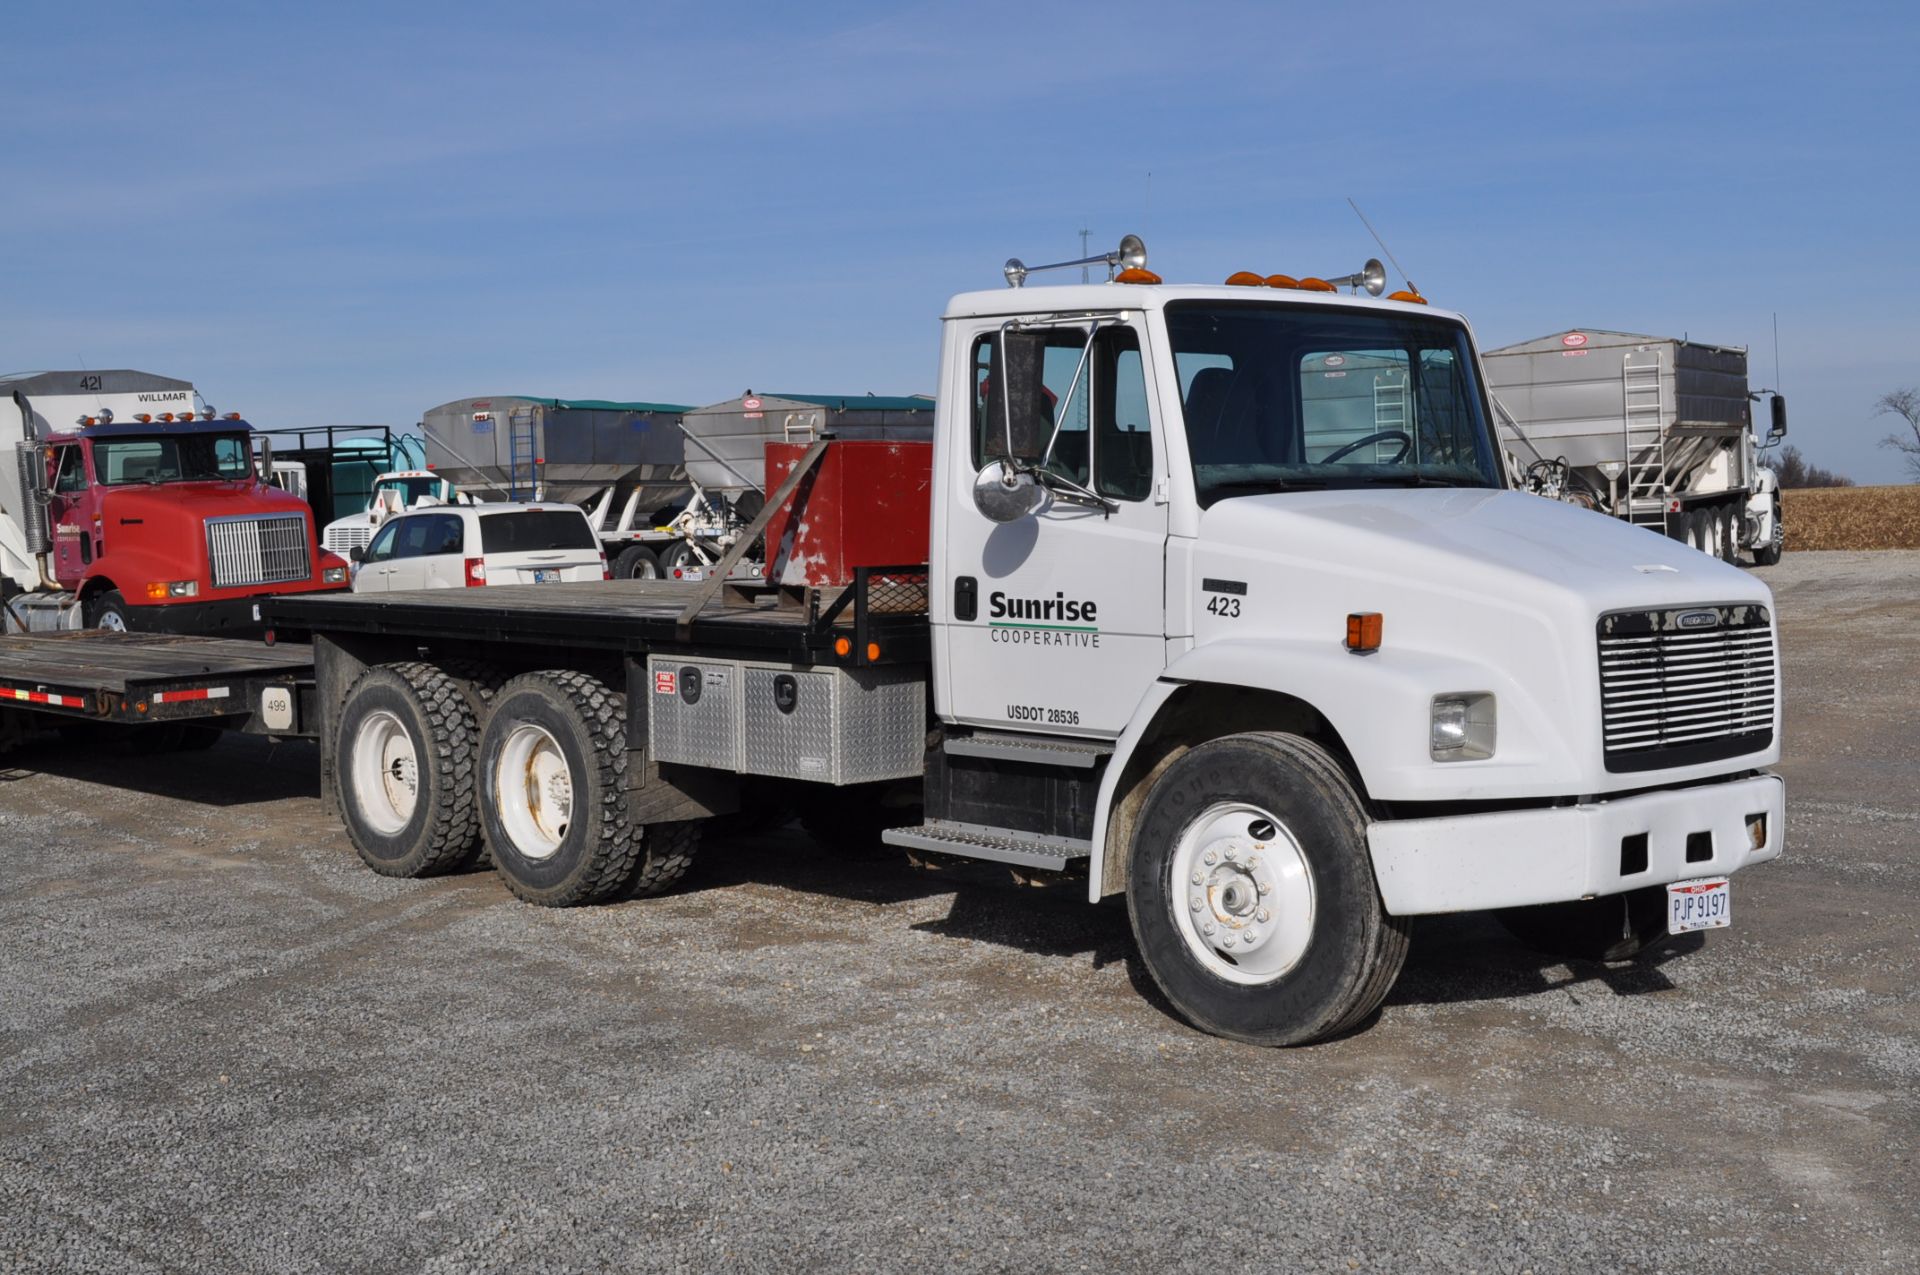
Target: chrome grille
pixel 246 551
pixel 1685 685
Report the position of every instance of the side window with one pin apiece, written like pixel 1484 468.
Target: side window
pixel 413 537
pixel 1104 435
pixel 72 475
pixel 232 457
pixel 381 548
pixel 1123 437
pixel 448 535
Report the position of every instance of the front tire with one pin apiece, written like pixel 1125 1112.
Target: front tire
pixel 108 611
pixel 1252 894
pixel 1768 554
pixel 406 771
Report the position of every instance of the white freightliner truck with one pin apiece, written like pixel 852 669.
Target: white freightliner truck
pixel 1195 625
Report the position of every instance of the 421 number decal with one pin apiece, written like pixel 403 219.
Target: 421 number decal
pixel 1227 608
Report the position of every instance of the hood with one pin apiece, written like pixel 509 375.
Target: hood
pixel 196 501
pixel 1478 543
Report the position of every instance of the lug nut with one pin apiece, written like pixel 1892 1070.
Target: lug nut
pixel 1227 941
pixel 1253 861
pixel 1197 905
pixel 1199 877
pixel 1208 928
pixel 1210 857
pixel 1264 916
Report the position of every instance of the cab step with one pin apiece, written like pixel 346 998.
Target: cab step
pixel 1039 750
pixel 1001 845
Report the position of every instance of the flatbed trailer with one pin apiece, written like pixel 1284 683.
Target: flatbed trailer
pixel 99 675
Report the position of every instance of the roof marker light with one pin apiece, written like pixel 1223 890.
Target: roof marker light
pixel 145 418
pixel 233 416
pixel 1311 284
pixel 1134 274
pixel 1245 279
pixel 1407 295
pixel 1282 281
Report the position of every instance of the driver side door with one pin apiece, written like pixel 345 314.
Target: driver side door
pixel 1056 621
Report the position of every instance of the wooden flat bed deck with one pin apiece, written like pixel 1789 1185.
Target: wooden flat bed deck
pixel 129 663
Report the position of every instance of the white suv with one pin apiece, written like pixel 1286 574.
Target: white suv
pixel 458 546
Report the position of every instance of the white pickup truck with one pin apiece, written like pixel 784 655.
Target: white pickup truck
pixel 1194 621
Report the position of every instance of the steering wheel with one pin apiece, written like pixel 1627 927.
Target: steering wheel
pixel 1379 436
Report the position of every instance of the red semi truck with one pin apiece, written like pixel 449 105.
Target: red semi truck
pixel 128 504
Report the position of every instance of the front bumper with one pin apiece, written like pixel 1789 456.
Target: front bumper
pixel 1513 858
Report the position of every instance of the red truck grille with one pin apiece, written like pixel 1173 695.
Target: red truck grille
pixel 248 551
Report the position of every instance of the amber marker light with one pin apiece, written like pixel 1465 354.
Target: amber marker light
pixel 1363 632
pixel 1282 281
pixel 1315 285
pixel 842 647
pixel 1134 274
pixel 873 652
pixel 1245 279
pixel 1408 295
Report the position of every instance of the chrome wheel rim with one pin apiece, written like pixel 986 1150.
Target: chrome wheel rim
pixel 1242 896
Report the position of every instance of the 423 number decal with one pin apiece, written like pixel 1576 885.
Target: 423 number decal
pixel 1227 608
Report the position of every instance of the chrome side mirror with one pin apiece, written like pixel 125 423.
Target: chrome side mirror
pixel 1005 494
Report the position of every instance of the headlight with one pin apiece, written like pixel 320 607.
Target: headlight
pixel 333 575
pixel 161 590
pixel 1461 727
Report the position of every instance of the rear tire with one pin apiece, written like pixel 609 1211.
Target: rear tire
pixel 553 804
pixel 406 771
pixel 1252 894
pixel 1727 527
pixel 636 562
pixel 1611 928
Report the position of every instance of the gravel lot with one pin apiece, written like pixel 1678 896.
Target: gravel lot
pixel 225 1046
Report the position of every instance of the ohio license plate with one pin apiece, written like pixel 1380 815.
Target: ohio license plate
pixel 546 577
pixel 1706 904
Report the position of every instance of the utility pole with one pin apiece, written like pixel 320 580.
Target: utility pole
pixel 1085 277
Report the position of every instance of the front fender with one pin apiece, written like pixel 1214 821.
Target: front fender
pixel 1380 705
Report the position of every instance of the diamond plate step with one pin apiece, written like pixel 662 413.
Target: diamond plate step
pixel 1001 845
pixel 1039 750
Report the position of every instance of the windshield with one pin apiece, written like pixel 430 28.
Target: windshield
pixel 411 490
pixel 178 459
pixel 1279 398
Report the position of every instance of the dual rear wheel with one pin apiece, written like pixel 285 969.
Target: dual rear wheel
pixel 534 769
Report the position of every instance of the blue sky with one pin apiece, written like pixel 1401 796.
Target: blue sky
pixel 348 213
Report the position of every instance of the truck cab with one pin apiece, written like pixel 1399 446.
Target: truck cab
pixel 167 527
pixel 1241 565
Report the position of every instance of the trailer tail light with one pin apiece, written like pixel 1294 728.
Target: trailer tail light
pixel 1363 632
pixel 476 572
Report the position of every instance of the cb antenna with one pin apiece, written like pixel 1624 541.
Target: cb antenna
pixel 1411 285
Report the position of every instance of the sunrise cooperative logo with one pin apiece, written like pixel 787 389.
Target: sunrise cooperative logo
pixel 1055 621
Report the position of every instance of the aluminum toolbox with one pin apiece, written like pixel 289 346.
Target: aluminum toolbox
pixel 693 713
pixel 834 725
